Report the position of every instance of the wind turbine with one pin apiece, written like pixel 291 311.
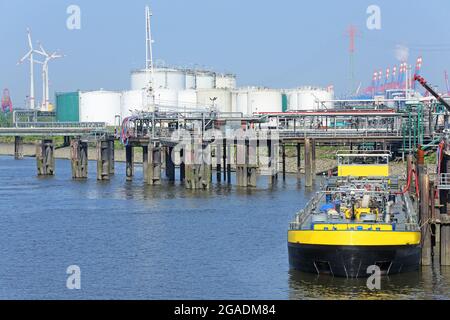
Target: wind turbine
pixel 45 77
pixel 30 56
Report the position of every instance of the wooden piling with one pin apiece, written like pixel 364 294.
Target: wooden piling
pixel 103 159
pixel 154 164
pixel 79 158
pixel 18 148
pixel 45 159
pixel 445 244
pixel 425 220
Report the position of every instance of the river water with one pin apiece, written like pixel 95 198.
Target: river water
pixel 133 241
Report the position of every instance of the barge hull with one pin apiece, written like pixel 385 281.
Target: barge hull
pixel 353 261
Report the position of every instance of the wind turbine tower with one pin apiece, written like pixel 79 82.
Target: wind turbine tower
pixel 30 56
pixel 45 75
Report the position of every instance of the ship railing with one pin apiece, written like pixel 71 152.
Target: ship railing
pixel 302 216
pixel 444 181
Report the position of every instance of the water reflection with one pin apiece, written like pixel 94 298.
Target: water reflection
pixel 428 283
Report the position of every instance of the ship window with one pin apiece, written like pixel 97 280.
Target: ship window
pixel 323 267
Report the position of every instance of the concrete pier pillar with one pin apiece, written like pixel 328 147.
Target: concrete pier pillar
pixel 273 153
pixel 112 166
pixel 145 163
pixel 154 164
pixel 198 171
pixel 224 158
pixel 182 165
pixel 246 165
pixel 308 163
pixel 18 148
pixel 170 164
pixel 45 158
pixel 299 162
pixel 79 158
pixel 313 158
pixel 129 155
pixel 103 159
pixel 218 163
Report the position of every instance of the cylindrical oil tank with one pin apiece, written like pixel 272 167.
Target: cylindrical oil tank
pixel 175 79
pixel 187 99
pixel 68 107
pixel 166 98
pixel 264 100
pixel 190 79
pixel 310 98
pixel 131 101
pixel 225 81
pixel 218 98
pixel 205 80
pixel 241 101
pixel 100 106
pixel 163 78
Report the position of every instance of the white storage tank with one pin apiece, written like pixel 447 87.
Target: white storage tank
pixel 166 98
pixel 205 80
pixel 310 98
pixel 225 81
pixel 221 97
pixel 241 102
pixel 100 106
pixel 175 79
pixel 190 79
pixel 131 101
pixel 264 100
pixel 187 99
pixel 164 78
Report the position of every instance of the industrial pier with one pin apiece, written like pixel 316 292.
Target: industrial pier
pixel 261 150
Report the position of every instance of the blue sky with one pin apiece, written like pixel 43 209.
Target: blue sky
pixel 282 44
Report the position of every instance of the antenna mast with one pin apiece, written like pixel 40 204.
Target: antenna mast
pixel 149 52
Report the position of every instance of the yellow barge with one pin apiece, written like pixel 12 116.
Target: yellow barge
pixel 359 219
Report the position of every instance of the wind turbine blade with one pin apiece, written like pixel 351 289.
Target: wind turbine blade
pixel 30 43
pixel 40 52
pixel 25 57
pixel 43 52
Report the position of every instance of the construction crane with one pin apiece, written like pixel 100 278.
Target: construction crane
pixel 424 84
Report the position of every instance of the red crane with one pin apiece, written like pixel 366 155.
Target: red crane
pixel 424 84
